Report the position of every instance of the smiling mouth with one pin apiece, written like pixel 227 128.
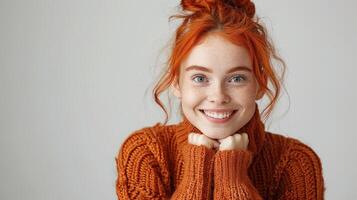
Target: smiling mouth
pixel 221 116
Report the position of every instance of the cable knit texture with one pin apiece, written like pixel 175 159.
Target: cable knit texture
pixel 158 163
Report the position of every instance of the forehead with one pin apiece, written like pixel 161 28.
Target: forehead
pixel 218 54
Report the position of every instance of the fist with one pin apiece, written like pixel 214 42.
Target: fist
pixel 234 142
pixel 201 139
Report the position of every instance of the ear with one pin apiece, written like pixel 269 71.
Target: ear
pixel 175 88
pixel 260 94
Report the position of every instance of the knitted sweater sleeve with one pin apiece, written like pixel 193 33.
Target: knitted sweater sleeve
pixel 197 176
pixel 301 174
pixel 231 176
pixel 143 172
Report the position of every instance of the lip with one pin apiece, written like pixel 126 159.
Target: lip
pixel 218 121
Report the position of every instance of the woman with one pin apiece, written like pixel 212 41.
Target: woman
pixel 219 67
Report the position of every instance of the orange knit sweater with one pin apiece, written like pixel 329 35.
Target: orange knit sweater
pixel 158 163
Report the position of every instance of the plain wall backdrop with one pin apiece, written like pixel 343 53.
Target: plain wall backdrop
pixel 76 80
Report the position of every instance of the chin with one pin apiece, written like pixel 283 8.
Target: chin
pixel 217 137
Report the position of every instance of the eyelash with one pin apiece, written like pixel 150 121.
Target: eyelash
pixel 201 75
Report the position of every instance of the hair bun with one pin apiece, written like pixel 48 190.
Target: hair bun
pixel 197 5
pixel 246 6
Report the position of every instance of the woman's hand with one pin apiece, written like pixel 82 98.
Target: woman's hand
pixel 234 142
pixel 201 139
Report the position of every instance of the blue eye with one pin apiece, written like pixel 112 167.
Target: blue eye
pixel 236 79
pixel 239 78
pixel 199 78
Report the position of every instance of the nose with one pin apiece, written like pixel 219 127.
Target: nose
pixel 218 95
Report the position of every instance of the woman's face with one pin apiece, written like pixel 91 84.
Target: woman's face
pixel 217 87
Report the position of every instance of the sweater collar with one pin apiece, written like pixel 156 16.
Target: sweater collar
pixel 255 129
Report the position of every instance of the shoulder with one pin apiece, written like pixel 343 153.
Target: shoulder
pixel 293 154
pixel 293 146
pixel 296 157
pixel 149 140
pixel 289 145
pixel 151 134
pixel 303 155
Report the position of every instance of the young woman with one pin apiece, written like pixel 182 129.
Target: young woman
pixel 219 67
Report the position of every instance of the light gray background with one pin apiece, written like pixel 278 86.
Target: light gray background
pixel 76 80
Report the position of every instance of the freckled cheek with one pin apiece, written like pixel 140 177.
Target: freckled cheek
pixel 192 97
pixel 245 96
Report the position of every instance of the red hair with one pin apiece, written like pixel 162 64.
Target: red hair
pixel 233 20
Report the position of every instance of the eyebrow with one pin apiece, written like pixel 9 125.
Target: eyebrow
pixel 200 68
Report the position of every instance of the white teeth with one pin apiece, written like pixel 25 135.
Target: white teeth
pixel 218 115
